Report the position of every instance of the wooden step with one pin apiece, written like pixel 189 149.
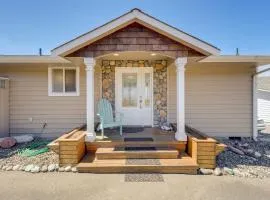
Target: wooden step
pixel 121 153
pixel 93 146
pixel 183 165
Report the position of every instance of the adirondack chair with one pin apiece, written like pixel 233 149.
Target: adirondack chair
pixel 105 114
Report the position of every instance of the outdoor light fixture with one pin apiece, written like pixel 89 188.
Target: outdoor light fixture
pixel 116 54
pixel 153 54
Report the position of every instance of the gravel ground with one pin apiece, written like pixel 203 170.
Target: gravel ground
pixel 247 166
pixel 11 156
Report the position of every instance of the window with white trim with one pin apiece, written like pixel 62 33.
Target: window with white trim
pixel 63 81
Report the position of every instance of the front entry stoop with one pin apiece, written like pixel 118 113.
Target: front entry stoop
pixel 133 157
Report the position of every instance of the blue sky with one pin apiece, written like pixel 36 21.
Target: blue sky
pixel 27 25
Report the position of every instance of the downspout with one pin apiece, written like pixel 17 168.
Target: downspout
pixel 254 103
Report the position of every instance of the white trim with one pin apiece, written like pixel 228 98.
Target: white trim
pixel 59 94
pixel 90 99
pixel 180 64
pixel 135 16
pixel 254 108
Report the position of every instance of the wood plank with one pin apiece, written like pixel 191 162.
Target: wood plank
pixel 111 153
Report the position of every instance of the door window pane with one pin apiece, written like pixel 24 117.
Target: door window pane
pixel 147 89
pixel 57 79
pixel 70 80
pixel 129 90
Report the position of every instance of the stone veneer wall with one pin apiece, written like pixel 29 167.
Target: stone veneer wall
pixel 159 83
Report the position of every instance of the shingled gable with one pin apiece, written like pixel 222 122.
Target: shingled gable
pixel 181 43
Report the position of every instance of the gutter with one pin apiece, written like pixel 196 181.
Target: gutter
pixel 254 103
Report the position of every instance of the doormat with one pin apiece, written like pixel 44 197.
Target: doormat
pixel 139 139
pixel 140 148
pixel 132 129
pixel 143 177
pixel 133 161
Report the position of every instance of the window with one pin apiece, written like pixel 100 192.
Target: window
pixel 63 81
pixel 2 84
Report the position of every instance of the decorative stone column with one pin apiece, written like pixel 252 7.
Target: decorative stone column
pixel 180 63
pixel 90 64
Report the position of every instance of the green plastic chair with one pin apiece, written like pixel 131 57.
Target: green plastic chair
pixel 107 119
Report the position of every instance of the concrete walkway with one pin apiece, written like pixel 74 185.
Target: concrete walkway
pixel 20 185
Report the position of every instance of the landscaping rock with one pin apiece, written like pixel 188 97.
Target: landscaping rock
pixel 35 169
pixel 16 167
pixel 236 172
pixel 51 167
pixel 44 168
pixel 74 169
pixel 28 168
pixel 206 171
pixel 217 172
pixel 23 138
pixel 4 167
pixel 22 168
pixel 257 154
pixel 228 171
pixel 7 142
pixel 245 145
pixel 9 168
pixel 61 169
pixel 250 151
pixel 68 169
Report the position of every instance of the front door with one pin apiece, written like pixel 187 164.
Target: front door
pixel 133 94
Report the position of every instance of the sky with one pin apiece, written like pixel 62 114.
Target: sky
pixel 26 26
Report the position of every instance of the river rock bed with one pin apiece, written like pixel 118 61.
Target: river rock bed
pixel 11 160
pixel 257 164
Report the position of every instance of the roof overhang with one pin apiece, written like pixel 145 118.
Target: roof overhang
pixel 15 59
pixel 256 60
pixel 138 16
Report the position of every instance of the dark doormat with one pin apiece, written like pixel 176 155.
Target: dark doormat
pixel 139 139
pixel 140 148
pixel 127 129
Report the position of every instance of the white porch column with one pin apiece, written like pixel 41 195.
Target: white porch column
pixel 90 64
pixel 180 63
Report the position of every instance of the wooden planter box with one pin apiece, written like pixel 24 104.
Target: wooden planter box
pixel 204 151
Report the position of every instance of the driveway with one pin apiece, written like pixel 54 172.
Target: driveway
pixel 19 185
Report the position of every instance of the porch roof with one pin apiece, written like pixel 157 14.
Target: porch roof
pixel 31 59
pixel 136 15
pixel 257 60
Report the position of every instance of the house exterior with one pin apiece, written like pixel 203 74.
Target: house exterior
pixel 151 72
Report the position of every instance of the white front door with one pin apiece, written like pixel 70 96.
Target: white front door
pixel 133 94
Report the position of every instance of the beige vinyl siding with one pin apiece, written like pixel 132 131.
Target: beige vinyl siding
pixel 29 99
pixel 218 98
